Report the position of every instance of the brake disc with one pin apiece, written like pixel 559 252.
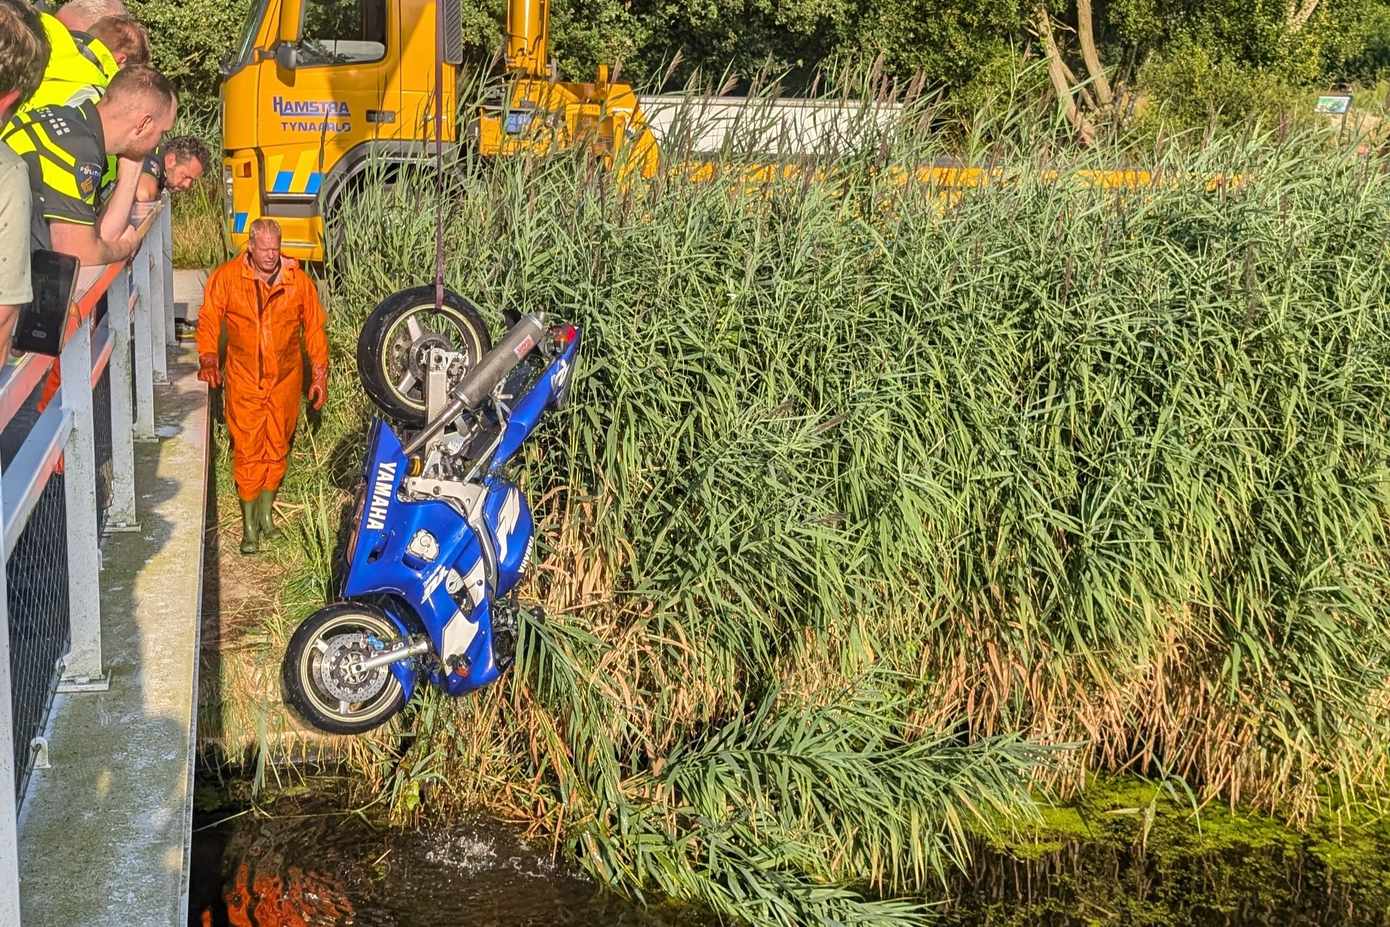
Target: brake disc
pixel 417 354
pixel 337 671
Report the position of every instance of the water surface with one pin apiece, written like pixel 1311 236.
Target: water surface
pixel 321 869
pixel 308 867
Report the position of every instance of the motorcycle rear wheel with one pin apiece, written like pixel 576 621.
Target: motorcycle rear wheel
pixel 394 344
pixel 315 665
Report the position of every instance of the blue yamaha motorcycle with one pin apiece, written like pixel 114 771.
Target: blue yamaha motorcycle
pixel 440 537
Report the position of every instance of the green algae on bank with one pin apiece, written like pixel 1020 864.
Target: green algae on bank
pixel 1128 851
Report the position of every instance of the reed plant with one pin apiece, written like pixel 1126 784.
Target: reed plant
pixel 199 237
pixel 200 240
pixel 881 507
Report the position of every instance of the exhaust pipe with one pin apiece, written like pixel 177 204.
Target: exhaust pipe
pixel 479 382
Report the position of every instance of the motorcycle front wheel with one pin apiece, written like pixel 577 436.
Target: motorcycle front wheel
pixel 319 675
pixel 394 345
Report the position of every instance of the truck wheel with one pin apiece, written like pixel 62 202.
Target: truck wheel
pixel 393 348
pixel 320 683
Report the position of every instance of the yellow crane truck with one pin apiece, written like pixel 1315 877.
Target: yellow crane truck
pixel 319 89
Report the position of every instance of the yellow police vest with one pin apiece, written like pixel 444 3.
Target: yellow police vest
pixel 65 152
pixel 71 76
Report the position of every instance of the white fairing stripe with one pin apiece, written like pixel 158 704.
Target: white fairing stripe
pixel 460 631
pixel 458 634
pixel 506 522
pixel 475 582
pixel 435 579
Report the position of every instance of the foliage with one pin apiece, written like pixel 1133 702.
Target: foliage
pixel 951 44
pixel 189 39
pixel 1187 86
pixel 198 225
pixel 966 49
pixel 875 504
pixel 198 220
pixel 1367 53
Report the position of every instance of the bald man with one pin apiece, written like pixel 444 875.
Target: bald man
pixel 268 310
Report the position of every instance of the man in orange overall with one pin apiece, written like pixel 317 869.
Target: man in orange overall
pixel 271 314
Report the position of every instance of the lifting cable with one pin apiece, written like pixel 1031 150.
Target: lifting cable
pixel 439 156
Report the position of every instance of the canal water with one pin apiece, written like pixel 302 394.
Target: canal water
pixel 307 866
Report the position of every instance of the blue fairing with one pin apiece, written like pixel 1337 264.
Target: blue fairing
pixel 442 589
pixel 526 414
pixel 424 559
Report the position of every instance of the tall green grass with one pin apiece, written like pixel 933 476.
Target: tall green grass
pixel 198 213
pixel 198 227
pixel 877 508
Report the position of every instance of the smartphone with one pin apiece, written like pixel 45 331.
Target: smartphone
pixel 42 322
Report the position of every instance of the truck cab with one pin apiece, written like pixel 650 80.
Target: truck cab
pixel 317 90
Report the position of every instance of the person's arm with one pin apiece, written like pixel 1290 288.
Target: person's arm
pixel 210 330
pixel 9 315
pixel 115 217
pixel 70 210
pixel 147 191
pixel 315 322
pixel 16 289
pixel 83 243
pixel 151 178
pixel 152 171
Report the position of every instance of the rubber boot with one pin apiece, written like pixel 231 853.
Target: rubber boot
pixel 250 528
pixel 265 514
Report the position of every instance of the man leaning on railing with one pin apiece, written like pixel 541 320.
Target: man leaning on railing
pixel 24 53
pixel 175 166
pixel 65 148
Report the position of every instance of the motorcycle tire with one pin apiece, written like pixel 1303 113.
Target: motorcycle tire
pixel 303 671
pixel 394 341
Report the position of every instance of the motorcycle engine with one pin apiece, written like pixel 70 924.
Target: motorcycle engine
pixel 458 450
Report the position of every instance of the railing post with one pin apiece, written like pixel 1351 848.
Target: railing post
pixel 82 670
pixel 9 827
pixel 166 227
pixel 144 347
pixel 121 517
pixel 154 254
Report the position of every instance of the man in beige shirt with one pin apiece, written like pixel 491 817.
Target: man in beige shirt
pixel 23 55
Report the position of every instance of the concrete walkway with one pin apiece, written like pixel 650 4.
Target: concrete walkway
pixel 188 293
pixel 105 833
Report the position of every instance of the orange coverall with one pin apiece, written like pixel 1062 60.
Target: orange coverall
pixel 263 370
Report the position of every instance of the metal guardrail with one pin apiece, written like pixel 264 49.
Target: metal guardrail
pixel 55 501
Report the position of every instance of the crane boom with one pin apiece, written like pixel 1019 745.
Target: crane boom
pixel 528 37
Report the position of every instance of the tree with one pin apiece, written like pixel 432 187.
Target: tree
pixel 189 39
pixel 1085 33
pixel 1093 50
pixel 1299 13
pixel 1064 83
pixel 1264 52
